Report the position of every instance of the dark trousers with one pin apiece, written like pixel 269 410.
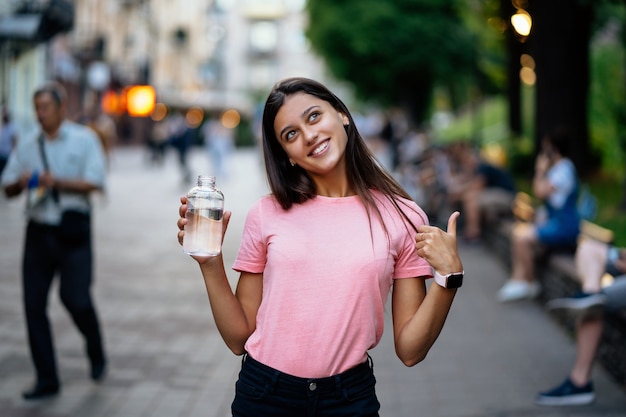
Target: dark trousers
pixel 45 256
pixel 262 391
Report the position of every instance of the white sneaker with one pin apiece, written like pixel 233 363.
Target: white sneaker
pixel 514 290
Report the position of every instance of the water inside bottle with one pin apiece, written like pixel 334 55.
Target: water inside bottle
pixel 203 231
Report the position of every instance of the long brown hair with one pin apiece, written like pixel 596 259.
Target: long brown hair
pixel 292 185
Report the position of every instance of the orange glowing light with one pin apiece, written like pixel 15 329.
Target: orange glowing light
pixel 140 100
pixel 110 103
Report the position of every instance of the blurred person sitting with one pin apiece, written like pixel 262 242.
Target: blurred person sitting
pixel 431 179
pixel 594 259
pixel 485 186
pixel 555 183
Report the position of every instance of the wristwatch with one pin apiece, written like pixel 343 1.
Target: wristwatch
pixel 454 280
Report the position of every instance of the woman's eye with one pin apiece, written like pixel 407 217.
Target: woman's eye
pixel 313 116
pixel 289 135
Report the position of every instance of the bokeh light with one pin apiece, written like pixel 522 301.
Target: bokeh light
pixel 110 103
pixel 194 117
pixel 522 22
pixel 527 61
pixel 230 118
pixel 159 113
pixel 140 100
pixel 528 76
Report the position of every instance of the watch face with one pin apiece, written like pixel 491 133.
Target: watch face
pixel 454 281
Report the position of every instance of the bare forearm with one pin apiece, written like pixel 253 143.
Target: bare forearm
pixel 228 312
pixel 422 330
pixel 48 181
pixel 541 186
pixel 16 188
pixel 419 315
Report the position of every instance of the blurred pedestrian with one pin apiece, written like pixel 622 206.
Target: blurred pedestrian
pixel 67 162
pixel 394 130
pixel 180 139
pixel 594 259
pixel 556 184
pixel 157 142
pixel 101 123
pixel 8 138
pixel 219 142
pixel 318 259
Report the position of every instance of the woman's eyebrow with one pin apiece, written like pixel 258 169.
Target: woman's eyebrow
pixel 304 113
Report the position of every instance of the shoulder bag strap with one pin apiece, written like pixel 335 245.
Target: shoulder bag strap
pixel 42 151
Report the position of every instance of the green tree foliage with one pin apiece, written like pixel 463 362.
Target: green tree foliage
pixel 607 107
pixel 393 51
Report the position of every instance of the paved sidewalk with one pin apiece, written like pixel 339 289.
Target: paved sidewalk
pixel 166 357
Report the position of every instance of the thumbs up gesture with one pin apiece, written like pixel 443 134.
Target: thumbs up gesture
pixel 439 248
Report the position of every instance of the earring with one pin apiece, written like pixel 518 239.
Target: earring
pixel 292 163
pixel 347 124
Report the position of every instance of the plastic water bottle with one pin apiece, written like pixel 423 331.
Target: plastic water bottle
pixel 205 210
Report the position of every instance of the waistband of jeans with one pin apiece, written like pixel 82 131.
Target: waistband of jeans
pixel 320 385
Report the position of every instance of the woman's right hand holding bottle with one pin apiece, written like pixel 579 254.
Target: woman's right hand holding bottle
pixel 182 221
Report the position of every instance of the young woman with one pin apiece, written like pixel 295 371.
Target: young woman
pixel 318 258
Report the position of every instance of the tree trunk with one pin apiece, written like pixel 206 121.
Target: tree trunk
pixel 416 97
pixel 560 46
pixel 514 48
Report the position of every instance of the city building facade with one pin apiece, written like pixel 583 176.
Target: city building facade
pixel 212 54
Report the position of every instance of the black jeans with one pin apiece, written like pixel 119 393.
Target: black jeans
pixel 45 256
pixel 262 391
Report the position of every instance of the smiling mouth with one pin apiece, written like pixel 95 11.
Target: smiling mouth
pixel 321 148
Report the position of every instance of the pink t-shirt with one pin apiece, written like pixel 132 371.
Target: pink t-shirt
pixel 325 280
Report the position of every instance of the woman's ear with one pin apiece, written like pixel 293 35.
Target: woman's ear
pixel 345 120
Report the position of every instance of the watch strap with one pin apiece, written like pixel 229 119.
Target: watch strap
pixel 442 280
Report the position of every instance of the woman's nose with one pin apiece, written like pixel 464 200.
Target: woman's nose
pixel 310 135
